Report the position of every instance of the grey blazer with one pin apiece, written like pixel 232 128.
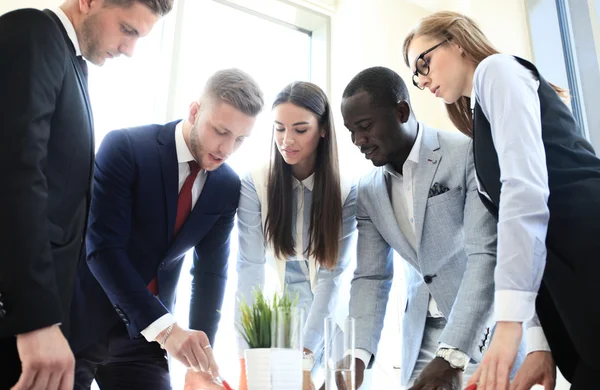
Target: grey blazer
pixel 454 259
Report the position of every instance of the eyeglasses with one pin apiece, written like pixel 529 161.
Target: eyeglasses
pixel 422 66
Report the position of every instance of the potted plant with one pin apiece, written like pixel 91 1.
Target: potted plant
pixel 258 330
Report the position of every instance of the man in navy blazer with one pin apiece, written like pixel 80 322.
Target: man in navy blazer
pixel 160 190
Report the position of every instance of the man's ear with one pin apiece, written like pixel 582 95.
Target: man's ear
pixel 194 112
pixel 403 111
pixel 85 6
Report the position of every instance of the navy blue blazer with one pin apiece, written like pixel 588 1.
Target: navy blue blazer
pixel 130 238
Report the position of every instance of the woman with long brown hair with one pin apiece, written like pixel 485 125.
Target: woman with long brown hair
pixel 297 214
pixel 541 179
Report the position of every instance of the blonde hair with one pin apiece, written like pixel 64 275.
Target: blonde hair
pixel 463 31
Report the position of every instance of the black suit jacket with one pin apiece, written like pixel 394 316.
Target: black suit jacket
pixel 46 160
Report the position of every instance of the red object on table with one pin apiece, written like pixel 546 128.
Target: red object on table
pixel 226 386
pixel 472 387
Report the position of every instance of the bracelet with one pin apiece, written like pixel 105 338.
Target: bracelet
pixel 308 361
pixel 167 333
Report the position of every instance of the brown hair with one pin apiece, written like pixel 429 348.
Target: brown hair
pixel 326 210
pixel 159 7
pixel 465 33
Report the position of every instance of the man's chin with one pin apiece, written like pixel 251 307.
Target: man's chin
pixel 378 163
pixel 212 165
pixel 96 60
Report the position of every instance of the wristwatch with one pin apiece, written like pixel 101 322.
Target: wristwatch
pixel 454 357
pixel 308 361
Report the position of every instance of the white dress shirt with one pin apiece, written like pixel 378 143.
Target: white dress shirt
pixel 508 95
pixel 69 28
pixel 183 157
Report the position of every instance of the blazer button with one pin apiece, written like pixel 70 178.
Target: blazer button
pixel 2 313
pixel 428 278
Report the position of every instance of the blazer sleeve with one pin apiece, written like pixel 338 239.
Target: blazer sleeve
pixel 108 233
pixel 372 281
pixel 472 308
pixel 32 66
pixel 209 271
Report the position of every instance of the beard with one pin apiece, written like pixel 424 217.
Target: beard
pixel 195 145
pixel 90 37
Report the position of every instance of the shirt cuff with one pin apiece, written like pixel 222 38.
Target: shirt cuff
pixel 158 326
pixel 536 340
pixel 514 306
pixel 363 355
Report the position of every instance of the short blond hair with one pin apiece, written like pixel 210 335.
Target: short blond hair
pixel 236 88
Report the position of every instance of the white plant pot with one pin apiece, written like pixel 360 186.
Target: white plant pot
pixel 258 368
pixel 286 369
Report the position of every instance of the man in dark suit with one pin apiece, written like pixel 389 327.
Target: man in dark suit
pixel 159 191
pixel 46 161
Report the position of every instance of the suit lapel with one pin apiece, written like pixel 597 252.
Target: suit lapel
pixel 429 160
pixel 385 214
pixel 170 174
pixel 80 77
pixel 84 88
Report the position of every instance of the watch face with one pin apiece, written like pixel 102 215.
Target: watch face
pixel 457 359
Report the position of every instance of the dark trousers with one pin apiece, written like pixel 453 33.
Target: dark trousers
pixel 569 314
pixel 117 362
pixel 10 365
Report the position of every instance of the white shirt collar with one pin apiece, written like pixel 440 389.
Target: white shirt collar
pixel 413 156
pixel 69 28
pixel 473 98
pixel 183 152
pixel 309 182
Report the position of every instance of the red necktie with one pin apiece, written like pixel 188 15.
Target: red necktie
pixel 184 207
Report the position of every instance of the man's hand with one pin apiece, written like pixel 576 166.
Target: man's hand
pixel 537 369
pixel 494 371
pixel 200 381
pixel 192 348
pixel 359 366
pixel 439 375
pixel 359 369
pixel 47 360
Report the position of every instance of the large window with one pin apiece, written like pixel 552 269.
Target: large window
pixel 565 41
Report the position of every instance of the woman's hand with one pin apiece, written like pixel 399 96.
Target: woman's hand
pixel 307 382
pixel 494 371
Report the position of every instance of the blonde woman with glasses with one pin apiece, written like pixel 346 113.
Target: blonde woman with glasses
pixel 541 179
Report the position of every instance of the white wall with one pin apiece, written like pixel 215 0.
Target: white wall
pixel 370 33
pixel 9 5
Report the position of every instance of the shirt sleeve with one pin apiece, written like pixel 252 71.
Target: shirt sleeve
pixel 158 326
pixel 507 94
pixel 251 249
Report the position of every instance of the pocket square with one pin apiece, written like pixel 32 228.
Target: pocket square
pixel 437 189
